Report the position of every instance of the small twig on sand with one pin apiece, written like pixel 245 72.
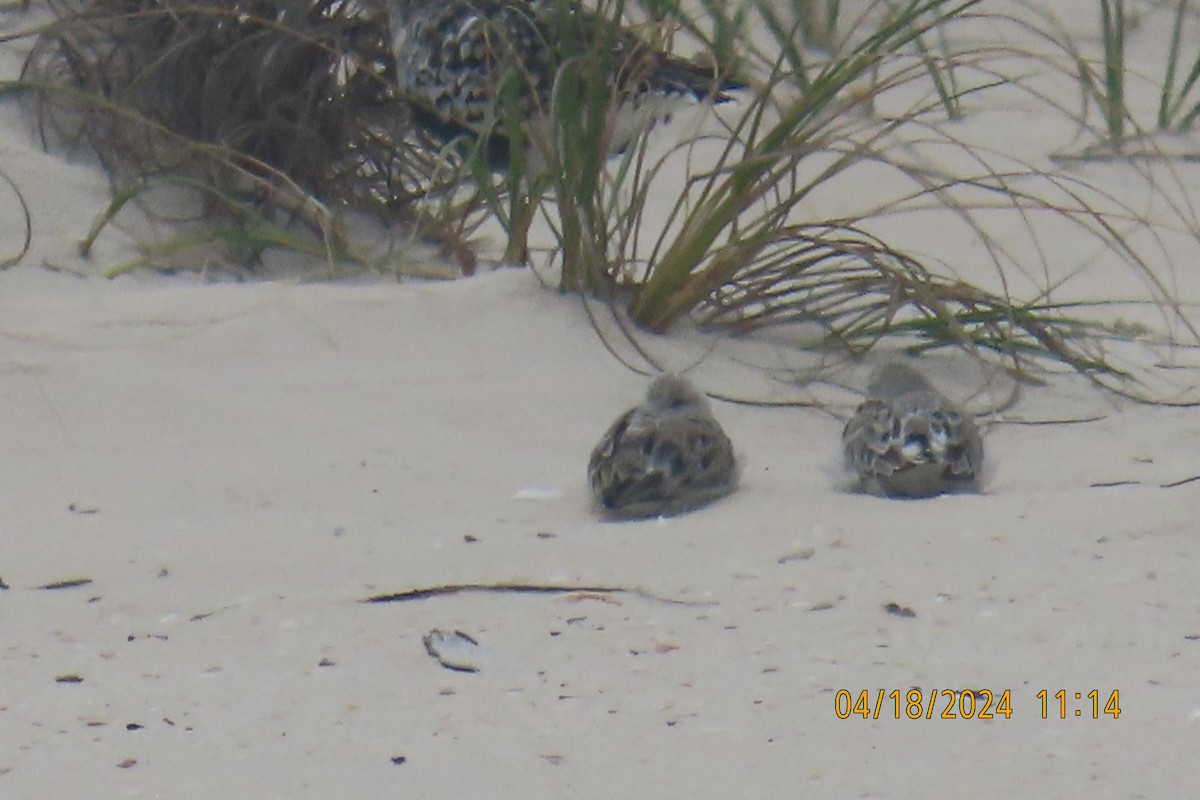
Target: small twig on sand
pixel 1171 485
pixel 1065 421
pixel 523 588
pixel 69 583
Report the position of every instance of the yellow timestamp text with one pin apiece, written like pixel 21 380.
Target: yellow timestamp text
pixel 1063 704
pixel 923 704
pixel 916 703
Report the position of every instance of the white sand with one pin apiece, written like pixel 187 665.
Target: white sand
pixel 235 466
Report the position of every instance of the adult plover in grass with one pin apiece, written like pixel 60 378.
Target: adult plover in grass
pixel 666 456
pixel 452 57
pixel 908 440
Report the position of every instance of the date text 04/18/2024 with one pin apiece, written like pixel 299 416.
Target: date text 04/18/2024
pixel 971 704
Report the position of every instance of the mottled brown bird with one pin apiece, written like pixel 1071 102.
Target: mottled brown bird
pixel 666 456
pixel 908 440
pixel 452 56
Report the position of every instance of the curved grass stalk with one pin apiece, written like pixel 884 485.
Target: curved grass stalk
pixel 27 239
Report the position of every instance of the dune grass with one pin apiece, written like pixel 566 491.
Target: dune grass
pixel 1109 82
pixel 741 249
pixel 1179 102
pixel 882 98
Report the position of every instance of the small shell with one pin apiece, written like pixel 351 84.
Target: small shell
pixel 453 650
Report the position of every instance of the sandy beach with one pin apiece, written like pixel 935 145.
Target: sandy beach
pixel 230 469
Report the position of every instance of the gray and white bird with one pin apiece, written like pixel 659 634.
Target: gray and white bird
pixel 908 440
pixel 452 56
pixel 666 456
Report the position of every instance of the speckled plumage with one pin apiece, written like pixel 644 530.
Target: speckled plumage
pixel 451 56
pixel 908 440
pixel 666 456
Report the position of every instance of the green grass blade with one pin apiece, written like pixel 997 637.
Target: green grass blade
pixel 1112 13
pixel 1165 106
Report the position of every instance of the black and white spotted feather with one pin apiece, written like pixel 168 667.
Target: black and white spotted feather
pixel 452 55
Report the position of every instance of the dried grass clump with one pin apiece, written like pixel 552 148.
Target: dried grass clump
pixel 264 106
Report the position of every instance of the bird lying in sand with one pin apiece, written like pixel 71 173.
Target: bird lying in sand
pixel 908 440
pixel 452 57
pixel 666 456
